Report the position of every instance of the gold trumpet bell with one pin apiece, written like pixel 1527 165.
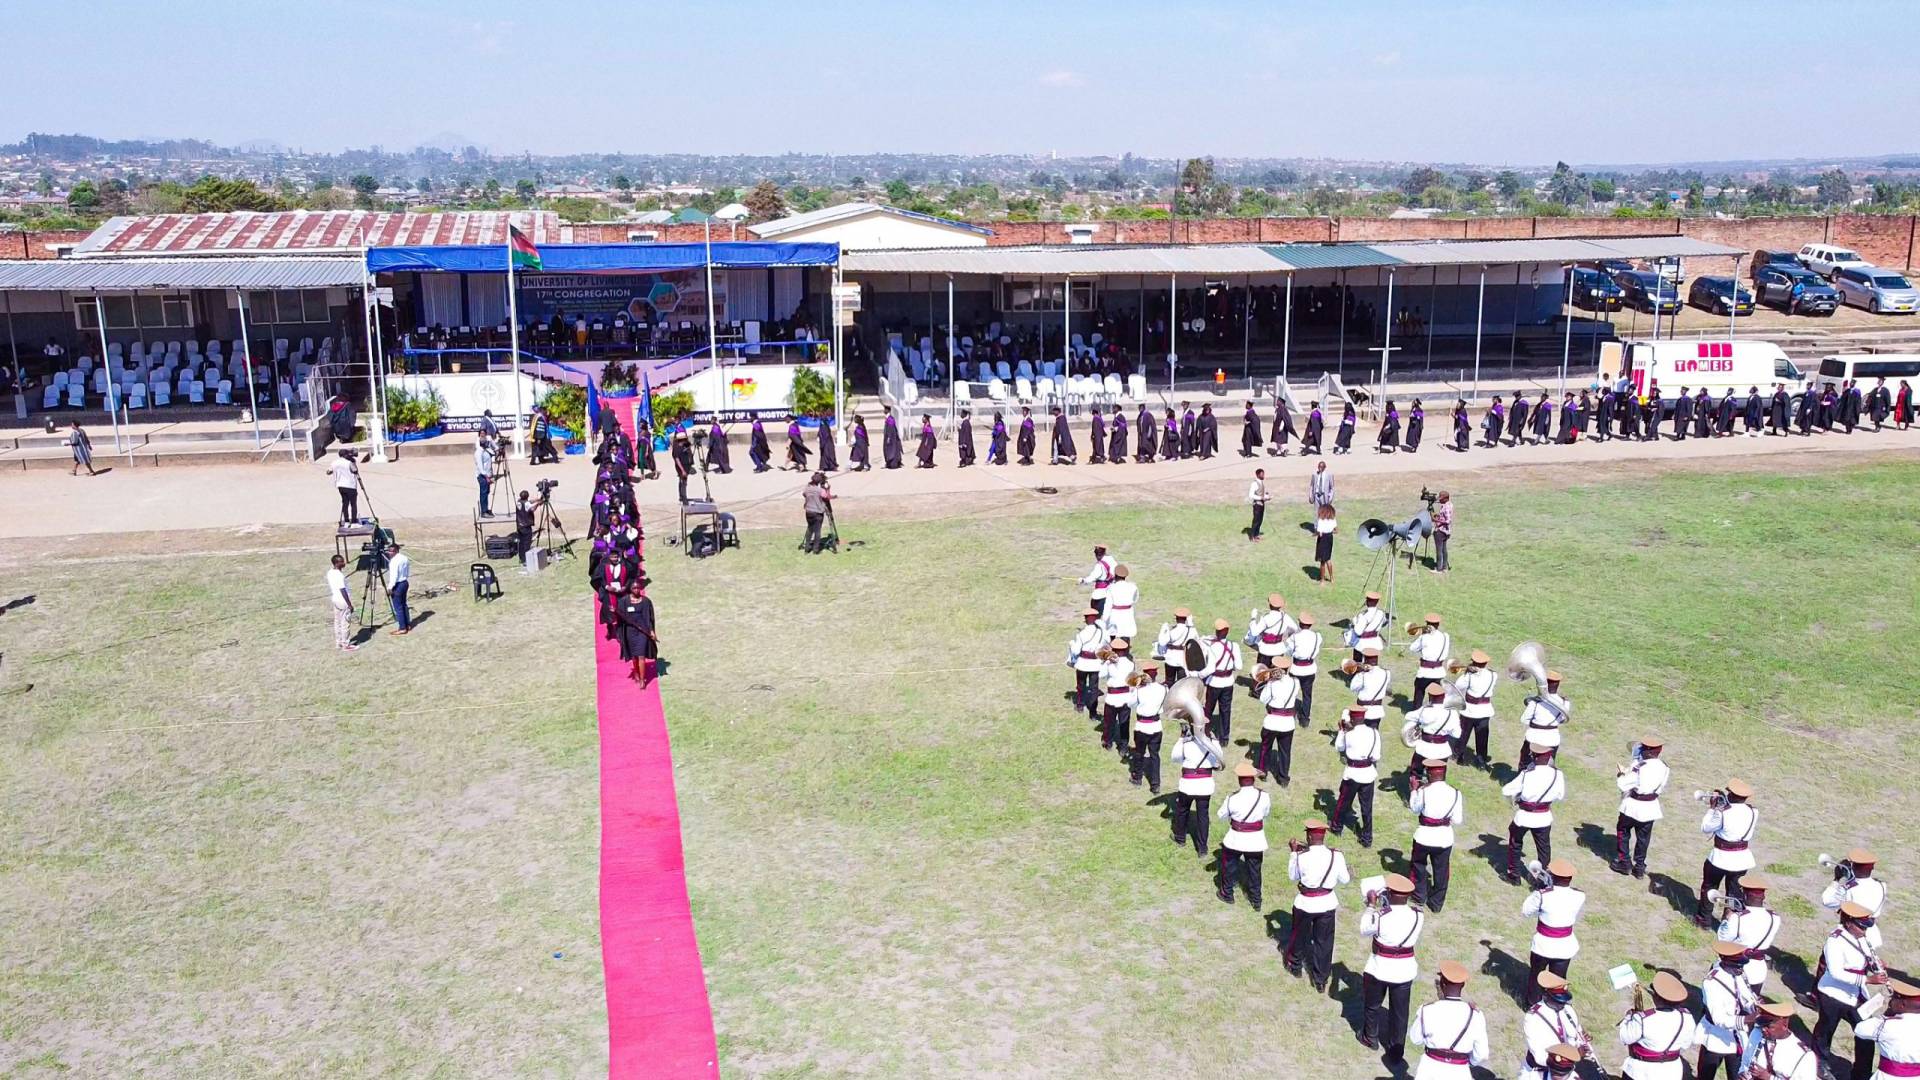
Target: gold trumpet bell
pixel 1348 667
pixel 1415 629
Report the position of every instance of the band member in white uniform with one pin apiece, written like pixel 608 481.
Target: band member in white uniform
pixel 1438 808
pixel 1197 763
pixel 1363 631
pixel 1149 700
pixel 1099 578
pixel 1173 644
pixel 1303 649
pixel 1476 710
pixel 1123 596
pixel 1435 728
pixel 1386 983
pixel 1433 647
pixel 1656 1039
pixel 1541 718
pixel 1782 1056
pixel 1640 784
pixel 1316 870
pixel 1866 890
pixel 1727 1006
pixel 1244 847
pixel 1083 655
pixel 1223 670
pixel 1732 828
pixel 1369 685
pixel 1358 745
pixel 1753 928
pixel 1533 791
pixel 1268 631
pixel 1896 1032
pixel 1850 971
pixel 1280 701
pixel 1549 1022
pixel 1555 909
pixel 1451 1034
pixel 1116 695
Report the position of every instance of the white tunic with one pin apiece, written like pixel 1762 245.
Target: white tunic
pixel 1725 998
pixel 1554 911
pixel 1359 749
pixel 1476 685
pixel 1114 691
pixel 1869 893
pixel 1844 976
pixel 1898 1036
pixel 1433 648
pixel 336 590
pixel 1755 928
pixel 1100 577
pixel 1189 757
pixel 1148 700
pixel 1395 932
pixel 1437 725
pixel 1640 790
pixel 1270 632
pixel 1317 871
pixel 1789 1058
pixel 1543 716
pixel 1123 596
pixel 1732 830
pixel 1660 1032
pixel 1246 813
pixel 1304 648
pixel 1176 645
pixel 1083 652
pixel 1543 1027
pixel 1281 698
pixel 1370 690
pixel 1451 1029
pixel 1438 807
pixel 1534 792
pixel 1223 663
pixel 1366 627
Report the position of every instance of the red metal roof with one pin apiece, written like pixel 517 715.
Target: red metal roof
pixel 311 231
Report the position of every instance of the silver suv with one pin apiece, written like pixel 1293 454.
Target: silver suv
pixel 1879 291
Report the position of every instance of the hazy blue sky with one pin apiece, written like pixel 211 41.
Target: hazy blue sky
pixel 1600 81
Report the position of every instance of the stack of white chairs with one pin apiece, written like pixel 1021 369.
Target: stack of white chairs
pixel 963 394
pixel 1137 388
pixel 1023 390
pixel 910 393
pixel 1111 389
pixel 996 390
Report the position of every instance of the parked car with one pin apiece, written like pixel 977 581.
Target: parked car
pixel 1646 290
pixel 1718 293
pixel 1668 266
pixel 1795 290
pixel 1879 291
pixel 1593 290
pixel 1829 259
pixel 1764 258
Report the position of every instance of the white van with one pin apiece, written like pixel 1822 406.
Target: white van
pixel 1867 367
pixel 1717 365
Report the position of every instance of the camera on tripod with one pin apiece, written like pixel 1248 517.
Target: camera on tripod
pixel 1428 497
pixel 545 487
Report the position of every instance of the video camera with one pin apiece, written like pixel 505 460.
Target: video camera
pixel 545 487
pixel 1428 497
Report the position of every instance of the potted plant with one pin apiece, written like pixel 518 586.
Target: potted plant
pixel 414 415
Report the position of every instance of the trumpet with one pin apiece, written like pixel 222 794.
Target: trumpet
pixel 1415 629
pixel 1455 667
pixel 1377 900
pixel 1296 845
pixel 1106 653
pixel 1263 673
pixel 1842 869
pixel 1724 904
pixel 1348 667
pixel 1715 799
pixel 1139 679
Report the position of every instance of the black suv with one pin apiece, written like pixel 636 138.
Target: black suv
pixel 1593 290
pixel 1776 285
pixel 1646 290
pixel 1763 258
pixel 1720 293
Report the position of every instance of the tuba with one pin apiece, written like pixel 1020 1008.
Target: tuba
pixel 1410 733
pixel 1528 660
pixel 1724 904
pixel 1187 699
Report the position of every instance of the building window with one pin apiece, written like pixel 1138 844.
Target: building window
pixel 1017 294
pixel 119 312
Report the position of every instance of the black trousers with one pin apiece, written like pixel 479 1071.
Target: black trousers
pixel 1259 515
pixel 525 537
pixel 1542 846
pixel 1310 942
pixel 1537 964
pixel 1086 692
pixel 1220 712
pixel 1146 759
pixel 812 542
pixel 1387 1002
pixel 1475 732
pixel 1274 756
pixel 1306 698
pixel 681 479
pixel 1432 870
pixel 1174 672
pixel 1113 731
pixel 1420 685
pixel 349 504
pixel 1349 791
pixel 1831 1014
pixel 1098 604
pixel 1240 868
pixel 1636 835
pixel 1712 877
pixel 1709 1064
pixel 1190 819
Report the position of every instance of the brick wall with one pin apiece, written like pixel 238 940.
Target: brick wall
pixel 17 244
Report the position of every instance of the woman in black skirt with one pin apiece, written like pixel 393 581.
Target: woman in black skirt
pixel 638 641
pixel 1343 440
pixel 1416 425
pixel 1323 529
pixel 1389 439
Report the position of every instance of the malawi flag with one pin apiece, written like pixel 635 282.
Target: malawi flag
pixel 521 250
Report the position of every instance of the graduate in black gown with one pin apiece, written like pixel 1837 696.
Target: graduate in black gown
pixel 1650 415
pixel 649 464
pixel 1026 444
pixel 1542 419
pixel 1189 429
pixel 859 454
pixel 1754 412
pixel 1389 438
pixel 1850 405
pixel 1060 448
pixel 1343 439
pixel 1249 431
pixel 1702 414
pixel 1779 410
pixel 1723 420
pixel 797 452
pixel 927 442
pixel 758 451
pixel 1117 438
pixel 1207 430
pixel 890 448
pixel 719 458
pixel 1146 440
pixel 1603 415
pixel 1682 415
pixel 1416 426
pixel 997 441
pixel 963 440
pixel 1493 423
pixel 639 643
pixel 1517 421
pixel 1809 407
pixel 1829 408
pixel 1569 418
pixel 1170 438
pixel 829 454
pixel 1282 429
pixel 1316 427
pixel 1097 438
pixel 1879 403
pixel 1462 427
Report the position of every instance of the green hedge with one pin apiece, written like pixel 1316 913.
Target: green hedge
pixel 566 406
pixel 671 406
pixel 407 411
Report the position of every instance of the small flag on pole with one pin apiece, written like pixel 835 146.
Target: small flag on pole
pixel 593 406
pixel 525 256
pixel 644 407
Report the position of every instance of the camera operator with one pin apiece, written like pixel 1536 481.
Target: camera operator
pixel 1442 530
pixel 346 480
pixel 816 499
pixel 523 525
pixel 483 470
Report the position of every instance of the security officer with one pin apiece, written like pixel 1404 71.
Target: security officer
pixel 1782 1056
pixel 1358 745
pixel 1099 578
pixel 1316 869
pixel 1195 791
pixel 1369 685
pixel 1122 597
pixel 1657 1038
pixel 1867 891
pixel 1434 647
pixel 1727 1005
pixel 1435 728
pixel 1244 847
pixel 1223 670
pixel 1754 929
pixel 1540 720
pixel 1451 1034
pixel 1549 1022
pixel 1640 786
pixel 1732 829
pixel 1174 644
pixel 1386 983
pixel 1303 651
pixel 1896 1033
pixel 1149 700
pixel 1116 694
pixel 1364 629
pixel 1083 653
pixel 1270 630
pixel 1280 698
pixel 1555 909
pixel 1438 807
pixel 1848 966
pixel 1476 710
pixel 1533 791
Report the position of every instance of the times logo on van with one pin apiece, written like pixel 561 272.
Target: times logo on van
pixel 1713 356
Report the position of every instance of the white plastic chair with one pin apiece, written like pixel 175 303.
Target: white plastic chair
pixel 283 393
pixel 1137 387
pixel 77 395
pixel 1110 386
pixel 963 393
pixel 50 396
pixel 279 348
pixel 1044 393
pixel 1023 390
pixel 996 390
pixel 223 394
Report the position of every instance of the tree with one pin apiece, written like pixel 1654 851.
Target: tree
pixel 490 191
pixel 1439 197
pixel 1420 179
pixel 83 195
pixel 364 183
pixel 621 183
pixel 764 203
pixel 1566 186
pixel 1603 190
pixel 213 195
pixel 1834 188
pixel 1695 193
pixel 1471 181
pixel 1510 184
pixel 424 184
pixel 523 190
pixel 322 182
pixel 899 191
pixel 1201 193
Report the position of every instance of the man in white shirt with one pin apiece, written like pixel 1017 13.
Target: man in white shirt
pixel 1317 870
pixel 1257 497
pixel 1732 827
pixel 1853 880
pixel 1223 670
pixel 1554 909
pixel 1541 718
pixel 1123 596
pixel 1432 647
pixel 483 471
pixel 1149 702
pixel 1363 630
pixel 1434 728
pixel 1640 786
pixel 1781 1053
pixel 1279 694
pixel 1303 653
pixel 1173 644
pixel 1244 847
pixel 1269 630
pixel 1358 744
pixel 340 605
pixel 1533 791
pixel 1083 655
pixel 1195 791
pixel 1727 1006
pixel 1386 983
pixel 1754 928
pixel 1451 1034
pixel 1099 578
pixel 1549 1022
pixel 1476 710
pixel 346 480
pixel 399 570
pixel 1896 1033
pixel 1439 808
pixel 1116 695
pixel 1369 685
pixel 1849 972
pixel 1657 1038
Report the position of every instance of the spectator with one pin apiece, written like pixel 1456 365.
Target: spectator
pixel 340 603
pixel 1442 532
pixel 399 571
pixel 346 480
pixel 82 449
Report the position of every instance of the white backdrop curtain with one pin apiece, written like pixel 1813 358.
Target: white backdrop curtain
pixel 487 299
pixel 746 294
pixel 786 291
pixel 440 300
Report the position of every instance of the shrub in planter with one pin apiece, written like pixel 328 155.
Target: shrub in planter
pixel 409 411
pixel 566 406
pixel 617 377
pixel 670 407
pixel 812 393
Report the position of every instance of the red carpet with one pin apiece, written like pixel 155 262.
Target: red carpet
pixel 658 1021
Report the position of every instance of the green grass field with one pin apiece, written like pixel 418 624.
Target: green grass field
pixel 907 855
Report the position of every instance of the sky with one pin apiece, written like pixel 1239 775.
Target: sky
pixel 1612 81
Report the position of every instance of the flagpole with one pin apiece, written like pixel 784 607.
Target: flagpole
pixel 513 342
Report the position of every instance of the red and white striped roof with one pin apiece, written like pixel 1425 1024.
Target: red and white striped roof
pixel 294 232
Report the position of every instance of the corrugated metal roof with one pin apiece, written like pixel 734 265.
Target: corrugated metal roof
pixel 251 272
pixel 1061 259
pixel 1330 256
pixel 1653 247
pixel 1478 252
pixel 315 232
pixel 845 211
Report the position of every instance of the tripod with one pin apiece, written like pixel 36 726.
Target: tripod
pixel 502 476
pixel 548 525
pixel 374 555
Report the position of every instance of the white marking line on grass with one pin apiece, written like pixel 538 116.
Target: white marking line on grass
pixel 317 716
